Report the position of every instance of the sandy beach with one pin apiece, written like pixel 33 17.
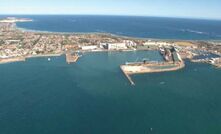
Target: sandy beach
pixel 10 60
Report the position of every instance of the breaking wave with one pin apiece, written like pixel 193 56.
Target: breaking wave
pixel 194 31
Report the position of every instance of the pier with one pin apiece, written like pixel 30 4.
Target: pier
pixel 71 58
pixel 138 68
pixel 128 76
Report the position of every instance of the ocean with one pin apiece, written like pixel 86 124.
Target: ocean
pixel 143 27
pixel 94 97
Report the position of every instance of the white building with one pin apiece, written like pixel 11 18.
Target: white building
pixel 103 45
pixel 130 43
pixel 156 43
pixel 116 46
pixel 89 47
pixel 150 43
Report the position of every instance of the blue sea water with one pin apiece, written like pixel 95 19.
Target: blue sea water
pixel 144 27
pixel 94 97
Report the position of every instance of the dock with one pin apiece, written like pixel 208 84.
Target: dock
pixel 128 76
pixel 138 68
pixel 172 62
pixel 70 58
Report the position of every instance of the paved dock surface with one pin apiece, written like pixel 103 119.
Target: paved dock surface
pixel 128 76
pixel 71 58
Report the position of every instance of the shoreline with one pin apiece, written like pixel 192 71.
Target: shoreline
pixel 12 60
pixel 61 52
pixel 24 58
pixel 44 55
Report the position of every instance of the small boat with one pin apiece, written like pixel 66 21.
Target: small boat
pixel 151 129
pixel 49 59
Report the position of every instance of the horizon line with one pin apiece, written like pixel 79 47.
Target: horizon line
pixel 123 15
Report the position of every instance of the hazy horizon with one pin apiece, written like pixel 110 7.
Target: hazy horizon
pixel 172 17
pixel 159 8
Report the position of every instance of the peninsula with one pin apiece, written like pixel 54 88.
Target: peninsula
pixel 14 20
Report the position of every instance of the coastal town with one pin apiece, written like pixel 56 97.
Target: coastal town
pixel 17 45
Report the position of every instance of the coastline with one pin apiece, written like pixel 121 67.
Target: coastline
pixel 44 55
pixel 62 51
pixel 22 59
pixel 12 60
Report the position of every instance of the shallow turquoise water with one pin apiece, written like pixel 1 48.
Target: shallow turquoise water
pixel 94 97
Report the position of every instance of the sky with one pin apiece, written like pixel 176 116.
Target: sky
pixel 208 9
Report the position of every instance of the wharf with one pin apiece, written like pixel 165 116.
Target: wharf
pixel 151 67
pixel 138 68
pixel 71 58
pixel 128 76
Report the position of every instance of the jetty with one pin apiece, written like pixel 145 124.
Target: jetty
pixel 141 68
pixel 128 76
pixel 71 58
pixel 172 62
pixel 138 68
